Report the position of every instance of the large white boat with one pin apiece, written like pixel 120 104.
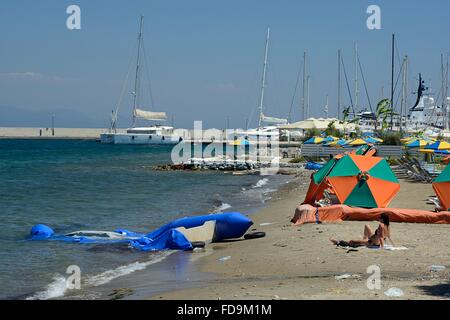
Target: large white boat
pixel 154 134
pixel 426 115
pixel 142 135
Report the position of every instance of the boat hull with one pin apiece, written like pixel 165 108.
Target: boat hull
pixel 142 139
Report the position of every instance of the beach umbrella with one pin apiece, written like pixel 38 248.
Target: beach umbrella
pixel 314 140
pixel 417 143
pixel 330 139
pixel 373 140
pixel 419 137
pixel 337 143
pixel 441 186
pixel 357 142
pixel 428 151
pixel 243 142
pixel 439 145
pixel 363 181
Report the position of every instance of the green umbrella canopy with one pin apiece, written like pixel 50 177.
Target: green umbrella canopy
pixel 362 181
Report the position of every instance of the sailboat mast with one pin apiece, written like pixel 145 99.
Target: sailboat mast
pixel 447 120
pixel 308 82
pixel 443 87
pixel 263 82
pixel 356 78
pixel 138 62
pixel 339 86
pixel 392 81
pixel 404 90
pixel 304 88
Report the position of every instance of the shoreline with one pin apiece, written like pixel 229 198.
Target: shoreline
pixel 179 270
pixel 301 263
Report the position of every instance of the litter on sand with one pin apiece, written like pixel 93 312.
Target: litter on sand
pixel 224 258
pixel 436 268
pixel 394 292
pixel 343 276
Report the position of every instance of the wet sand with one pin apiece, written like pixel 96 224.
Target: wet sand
pixel 301 263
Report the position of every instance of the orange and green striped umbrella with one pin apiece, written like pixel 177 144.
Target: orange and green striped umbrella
pixel 441 186
pixel 361 181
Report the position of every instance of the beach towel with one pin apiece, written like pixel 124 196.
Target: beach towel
pixel 387 247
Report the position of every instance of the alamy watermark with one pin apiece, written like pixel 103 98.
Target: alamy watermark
pixel 374 20
pixel 74 280
pixel 374 280
pixel 73 21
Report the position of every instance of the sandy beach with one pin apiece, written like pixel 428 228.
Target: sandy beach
pixel 301 263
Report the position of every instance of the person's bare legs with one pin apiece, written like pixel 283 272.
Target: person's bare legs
pixel 367 232
pixel 351 243
pixel 358 243
pixel 334 241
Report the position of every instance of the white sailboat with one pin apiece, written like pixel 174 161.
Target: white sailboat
pixel 155 134
pixel 271 129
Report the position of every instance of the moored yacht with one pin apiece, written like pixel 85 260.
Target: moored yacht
pixel 154 134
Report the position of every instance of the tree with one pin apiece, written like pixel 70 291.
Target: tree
pixel 313 132
pixel 384 110
pixel 332 131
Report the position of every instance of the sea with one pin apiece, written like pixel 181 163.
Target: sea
pixel 73 185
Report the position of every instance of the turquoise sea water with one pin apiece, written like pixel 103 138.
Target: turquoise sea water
pixel 83 185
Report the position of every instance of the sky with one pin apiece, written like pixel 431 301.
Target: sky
pixel 205 57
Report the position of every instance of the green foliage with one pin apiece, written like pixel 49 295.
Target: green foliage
pixel 390 138
pixel 332 131
pixel 384 110
pixel 357 133
pixel 392 161
pixel 297 160
pixel 314 132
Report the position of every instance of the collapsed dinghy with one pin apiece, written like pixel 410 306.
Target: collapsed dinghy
pixel 176 235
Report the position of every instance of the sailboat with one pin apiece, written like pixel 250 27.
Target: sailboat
pixel 271 129
pixel 155 134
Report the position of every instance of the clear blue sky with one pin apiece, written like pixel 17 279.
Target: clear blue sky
pixel 205 56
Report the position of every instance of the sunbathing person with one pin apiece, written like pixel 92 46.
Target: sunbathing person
pixel 370 239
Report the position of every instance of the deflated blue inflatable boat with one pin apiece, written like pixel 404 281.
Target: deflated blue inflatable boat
pixel 227 226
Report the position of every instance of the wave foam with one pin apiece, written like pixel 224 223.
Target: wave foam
pixel 223 207
pixel 58 287
pixel 55 289
pixel 261 183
